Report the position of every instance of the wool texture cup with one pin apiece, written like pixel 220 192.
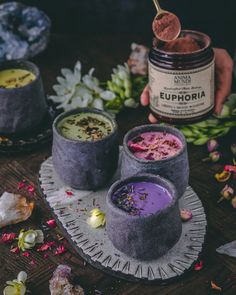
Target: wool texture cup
pixel 81 164
pixel 174 168
pixel 144 237
pixel 22 108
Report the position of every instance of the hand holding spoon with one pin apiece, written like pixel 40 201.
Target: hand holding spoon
pixel 166 25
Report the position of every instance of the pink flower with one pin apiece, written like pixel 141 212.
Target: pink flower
pixel 230 168
pixel 51 223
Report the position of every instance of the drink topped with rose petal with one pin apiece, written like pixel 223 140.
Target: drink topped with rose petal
pixel 15 78
pixel 141 198
pixel 155 145
pixel 85 126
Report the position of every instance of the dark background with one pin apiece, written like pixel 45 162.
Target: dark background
pixel 213 17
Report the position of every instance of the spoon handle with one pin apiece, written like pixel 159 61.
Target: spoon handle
pixel 157 5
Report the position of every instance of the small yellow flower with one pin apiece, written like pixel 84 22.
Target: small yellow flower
pixel 223 176
pixel 97 218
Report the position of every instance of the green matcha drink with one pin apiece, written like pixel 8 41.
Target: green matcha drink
pixel 85 126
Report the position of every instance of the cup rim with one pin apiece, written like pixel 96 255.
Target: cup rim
pixel 85 110
pixel 7 65
pixel 146 177
pixel 155 127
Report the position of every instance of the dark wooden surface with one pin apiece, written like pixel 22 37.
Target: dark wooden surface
pixel 104 52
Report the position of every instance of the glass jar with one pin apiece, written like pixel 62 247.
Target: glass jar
pixel 182 83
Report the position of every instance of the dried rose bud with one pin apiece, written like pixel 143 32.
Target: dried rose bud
pixel 233 202
pixel 198 266
pixel 226 193
pixel 214 156
pixel 186 215
pixel 223 176
pixel 233 149
pixel 212 145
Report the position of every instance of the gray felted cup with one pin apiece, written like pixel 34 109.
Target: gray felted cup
pixel 174 168
pixel 144 237
pixel 86 165
pixel 22 108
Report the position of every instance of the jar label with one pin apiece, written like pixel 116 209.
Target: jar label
pixel 182 94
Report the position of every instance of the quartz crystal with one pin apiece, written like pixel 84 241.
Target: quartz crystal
pixel 24 31
pixel 14 208
pixel 60 282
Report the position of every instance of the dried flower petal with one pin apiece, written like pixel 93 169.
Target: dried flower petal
pixel 60 250
pixel 198 266
pixel 186 215
pixel 45 256
pixel 7 238
pixel 97 218
pixel 215 287
pixel 223 176
pixel 135 147
pixel 69 193
pixel 46 246
pixel 15 250
pixel 30 188
pixel 21 185
pixel 212 145
pixel 230 168
pixel 51 223
pixel 33 262
pixel 26 254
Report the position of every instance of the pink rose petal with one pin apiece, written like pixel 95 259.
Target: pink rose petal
pixel 198 266
pixel 15 250
pixel 32 262
pixel 69 193
pixel 30 188
pixel 46 246
pixel 8 238
pixel 26 254
pixel 60 250
pixel 21 185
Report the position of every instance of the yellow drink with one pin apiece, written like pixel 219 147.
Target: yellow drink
pixel 14 78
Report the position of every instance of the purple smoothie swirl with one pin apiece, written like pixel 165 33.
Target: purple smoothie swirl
pixel 141 198
pixel 155 145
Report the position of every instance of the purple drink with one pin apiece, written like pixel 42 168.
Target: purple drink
pixel 141 198
pixel 155 145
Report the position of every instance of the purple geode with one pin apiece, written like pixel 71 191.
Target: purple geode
pixel 24 31
pixel 60 282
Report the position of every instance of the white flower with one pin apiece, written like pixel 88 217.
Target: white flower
pixel 16 287
pixel 28 239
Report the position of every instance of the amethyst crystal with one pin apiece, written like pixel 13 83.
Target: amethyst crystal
pixel 60 282
pixel 24 31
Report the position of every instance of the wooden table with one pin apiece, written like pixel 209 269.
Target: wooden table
pixel 105 52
